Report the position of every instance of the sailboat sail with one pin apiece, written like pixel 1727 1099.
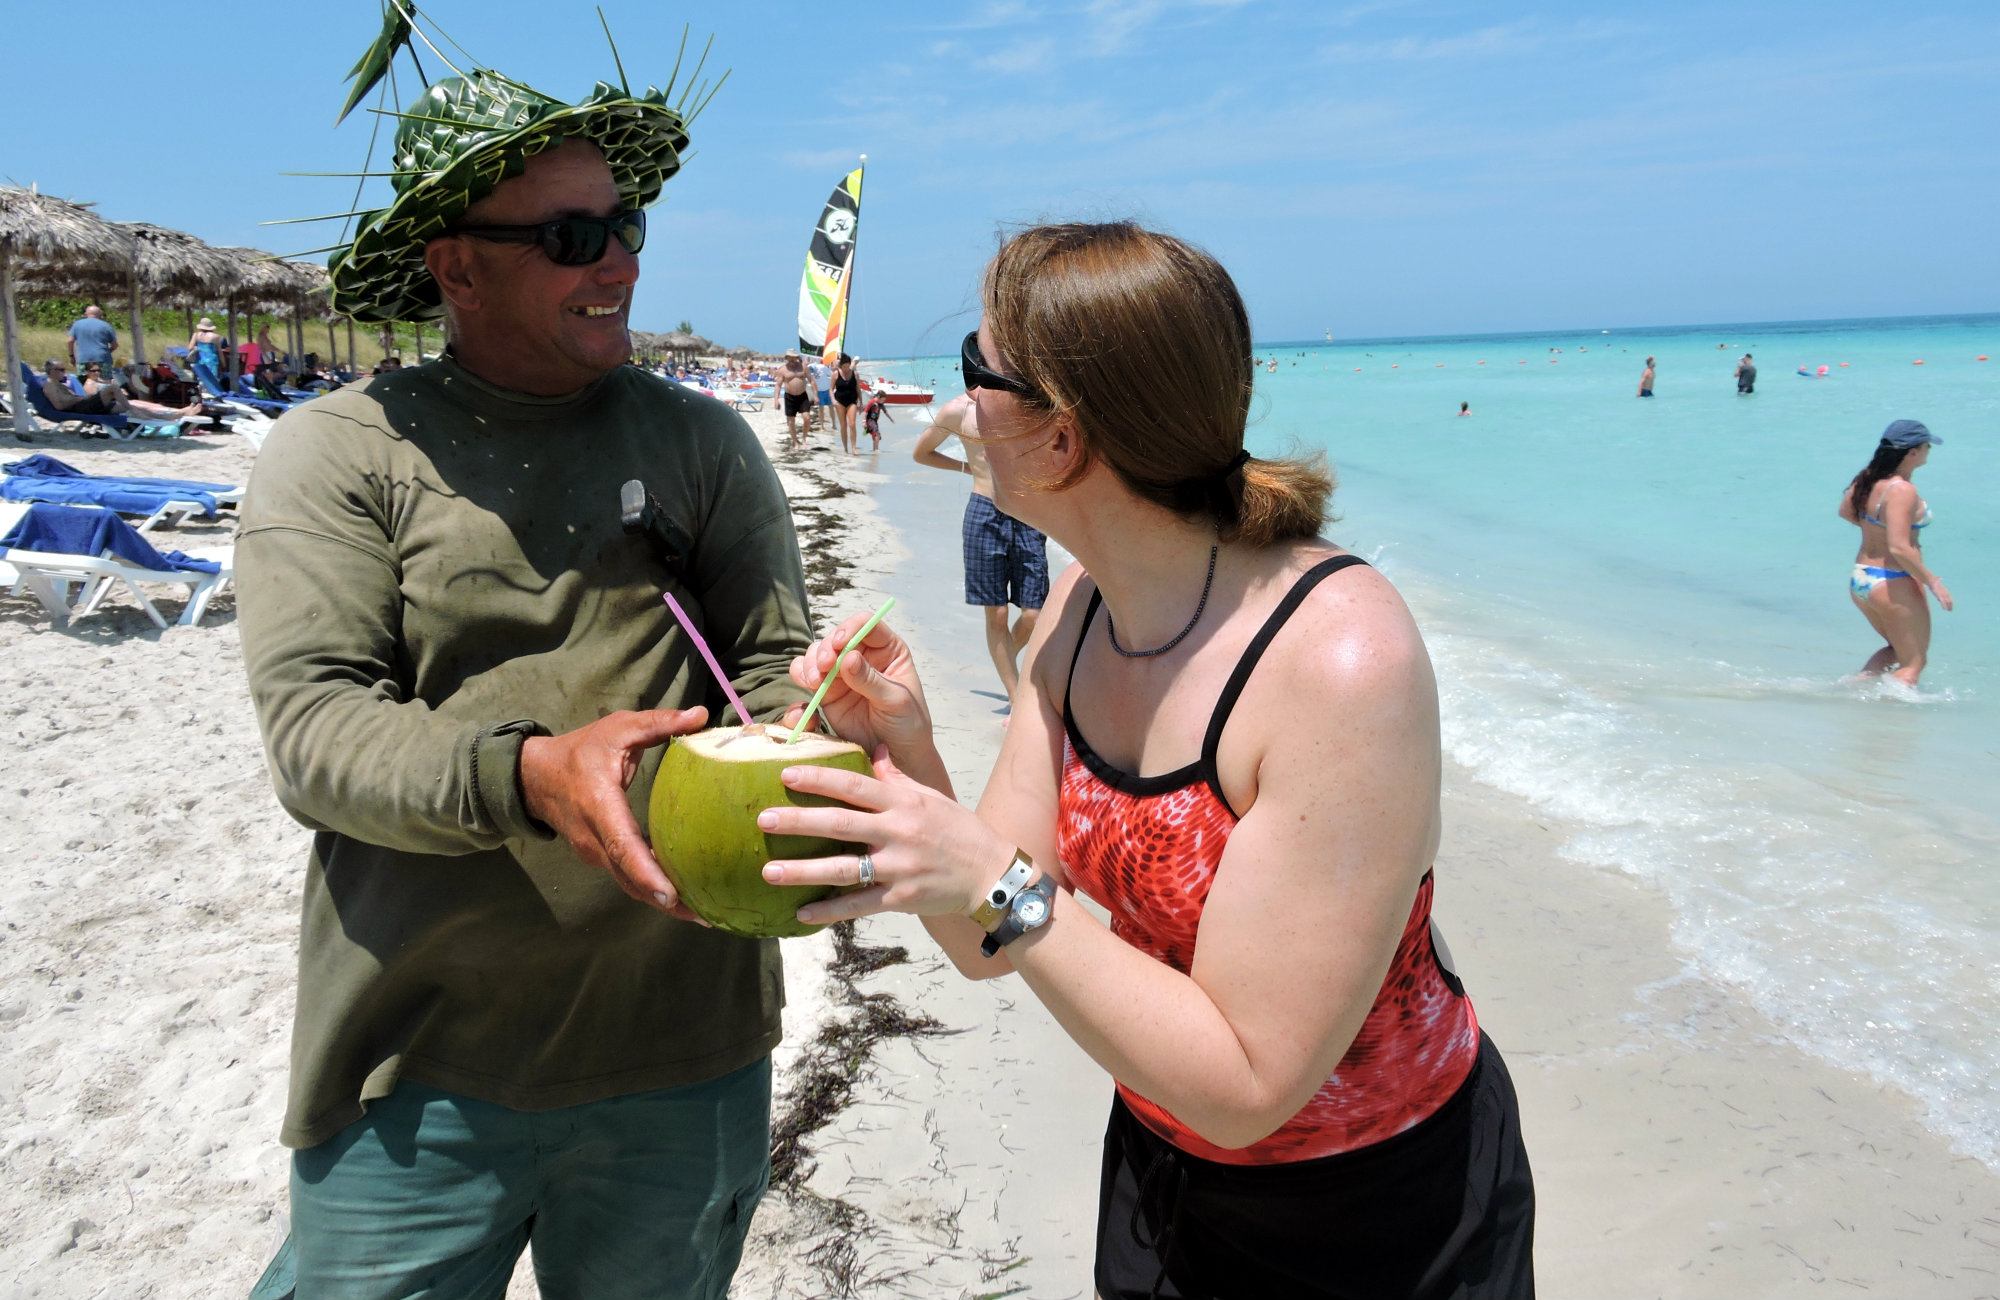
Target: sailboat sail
pixel 829 267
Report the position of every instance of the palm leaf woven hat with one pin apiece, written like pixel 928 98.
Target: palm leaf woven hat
pixel 467 133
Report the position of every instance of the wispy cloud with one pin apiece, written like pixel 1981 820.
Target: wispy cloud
pixel 995 13
pixel 1484 43
pixel 1020 57
pixel 1113 25
pixel 818 159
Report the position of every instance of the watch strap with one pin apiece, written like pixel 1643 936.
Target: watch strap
pixel 1011 928
pixel 993 904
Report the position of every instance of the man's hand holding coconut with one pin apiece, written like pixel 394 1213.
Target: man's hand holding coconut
pixel 575 784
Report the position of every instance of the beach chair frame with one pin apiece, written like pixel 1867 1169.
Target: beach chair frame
pixel 73 586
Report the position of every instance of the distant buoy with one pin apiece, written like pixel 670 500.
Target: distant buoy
pixel 1843 365
pixel 1918 362
pixel 1438 366
pixel 1395 365
pixel 1521 362
pixel 1822 372
pixel 1482 360
pixel 1980 357
pixel 1357 370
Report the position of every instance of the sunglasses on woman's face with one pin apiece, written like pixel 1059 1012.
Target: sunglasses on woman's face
pixel 570 241
pixel 976 373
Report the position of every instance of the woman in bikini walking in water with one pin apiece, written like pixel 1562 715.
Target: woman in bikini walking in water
pixel 1890 581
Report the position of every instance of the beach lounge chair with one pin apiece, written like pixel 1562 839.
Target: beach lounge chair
pixel 252 426
pixel 118 426
pixel 248 391
pixel 71 557
pixel 38 402
pixel 159 500
pixel 213 391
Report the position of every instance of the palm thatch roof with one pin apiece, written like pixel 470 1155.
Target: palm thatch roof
pixel 262 282
pixel 175 268
pixel 312 288
pixel 676 341
pixel 40 230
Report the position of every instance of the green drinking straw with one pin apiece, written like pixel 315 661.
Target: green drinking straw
pixel 855 640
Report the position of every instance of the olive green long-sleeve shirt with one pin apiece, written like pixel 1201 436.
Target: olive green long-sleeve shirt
pixel 429 569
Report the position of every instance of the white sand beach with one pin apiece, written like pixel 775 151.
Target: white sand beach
pixel 1681 1147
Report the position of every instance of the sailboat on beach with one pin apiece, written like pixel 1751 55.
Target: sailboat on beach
pixel 826 288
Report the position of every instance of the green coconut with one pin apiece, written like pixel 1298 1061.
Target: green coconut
pixel 703 809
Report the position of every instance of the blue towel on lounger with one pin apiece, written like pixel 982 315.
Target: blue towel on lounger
pixel 42 465
pixel 44 478
pixel 76 530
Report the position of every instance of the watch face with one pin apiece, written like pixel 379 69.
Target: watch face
pixel 1031 910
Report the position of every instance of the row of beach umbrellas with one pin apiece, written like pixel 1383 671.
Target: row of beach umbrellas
pixel 55 247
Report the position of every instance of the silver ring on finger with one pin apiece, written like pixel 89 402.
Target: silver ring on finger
pixel 866 876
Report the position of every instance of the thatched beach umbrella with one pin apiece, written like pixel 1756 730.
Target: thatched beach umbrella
pixel 38 232
pixel 262 284
pixel 311 296
pixel 677 341
pixel 171 267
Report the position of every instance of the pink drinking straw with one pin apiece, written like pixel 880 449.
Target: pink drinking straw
pixel 722 678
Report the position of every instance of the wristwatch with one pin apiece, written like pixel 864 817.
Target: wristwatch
pixel 993 905
pixel 1030 911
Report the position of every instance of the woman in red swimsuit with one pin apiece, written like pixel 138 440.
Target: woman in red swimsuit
pixel 1225 733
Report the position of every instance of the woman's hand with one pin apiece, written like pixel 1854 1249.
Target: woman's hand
pixel 931 855
pixel 1942 592
pixel 877 699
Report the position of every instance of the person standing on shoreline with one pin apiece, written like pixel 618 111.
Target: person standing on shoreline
pixel 1890 581
pixel 846 396
pixel 1646 379
pixel 822 377
pixel 1227 735
pixel 1006 561
pixel 509 1031
pixel 795 395
pixel 872 416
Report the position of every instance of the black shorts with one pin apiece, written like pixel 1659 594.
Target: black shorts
pixel 1445 1209
pixel 797 403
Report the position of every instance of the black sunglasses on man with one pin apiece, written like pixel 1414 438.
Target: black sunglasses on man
pixel 570 241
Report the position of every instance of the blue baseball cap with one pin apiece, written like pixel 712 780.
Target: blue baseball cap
pixel 1909 433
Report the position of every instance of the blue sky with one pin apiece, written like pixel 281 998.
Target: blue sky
pixel 1371 169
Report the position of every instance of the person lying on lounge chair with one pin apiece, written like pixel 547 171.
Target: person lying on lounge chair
pixel 100 396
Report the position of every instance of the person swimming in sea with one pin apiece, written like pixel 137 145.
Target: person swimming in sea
pixel 1889 579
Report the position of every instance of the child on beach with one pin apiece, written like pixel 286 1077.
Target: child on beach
pixel 871 419
pixel 1305 1104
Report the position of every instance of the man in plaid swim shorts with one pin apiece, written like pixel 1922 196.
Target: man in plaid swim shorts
pixel 1006 562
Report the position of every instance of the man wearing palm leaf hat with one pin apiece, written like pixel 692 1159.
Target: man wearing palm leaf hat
pixel 508 1029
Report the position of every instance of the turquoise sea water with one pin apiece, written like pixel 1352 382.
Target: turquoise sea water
pixel 1640 619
